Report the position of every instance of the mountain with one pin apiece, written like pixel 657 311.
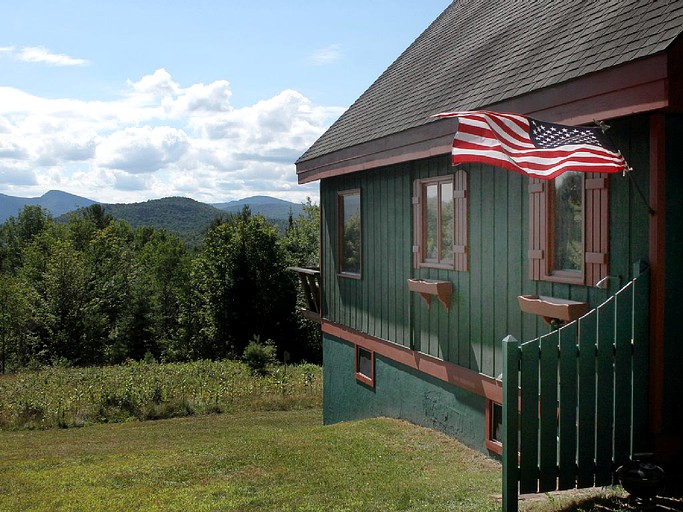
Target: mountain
pixel 185 217
pixel 189 219
pixel 180 215
pixel 55 201
pixel 269 207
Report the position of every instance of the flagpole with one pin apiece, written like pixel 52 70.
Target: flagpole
pixel 627 171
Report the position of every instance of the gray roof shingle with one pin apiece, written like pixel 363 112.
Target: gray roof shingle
pixel 480 52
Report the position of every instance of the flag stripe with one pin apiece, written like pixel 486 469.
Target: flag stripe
pixel 505 140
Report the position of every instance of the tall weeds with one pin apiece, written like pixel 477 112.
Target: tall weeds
pixel 71 397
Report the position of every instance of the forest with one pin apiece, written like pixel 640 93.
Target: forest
pixel 92 290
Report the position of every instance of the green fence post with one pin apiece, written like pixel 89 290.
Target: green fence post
pixel 510 423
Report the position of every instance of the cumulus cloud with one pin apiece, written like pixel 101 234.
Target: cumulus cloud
pixel 42 55
pixel 11 149
pixel 142 150
pixel 17 176
pixel 158 139
pixel 130 182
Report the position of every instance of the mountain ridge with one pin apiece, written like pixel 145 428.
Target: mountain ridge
pixel 56 202
pixel 59 203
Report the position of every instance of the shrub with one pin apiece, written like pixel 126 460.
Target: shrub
pixel 258 356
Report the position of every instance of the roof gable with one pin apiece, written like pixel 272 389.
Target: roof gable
pixel 480 52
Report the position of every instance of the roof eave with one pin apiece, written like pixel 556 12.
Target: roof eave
pixel 636 87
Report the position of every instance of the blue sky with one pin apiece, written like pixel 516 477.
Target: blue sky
pixel 132 100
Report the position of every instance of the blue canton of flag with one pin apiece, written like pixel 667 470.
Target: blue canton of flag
pixel 548 135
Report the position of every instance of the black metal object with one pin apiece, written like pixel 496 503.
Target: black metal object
pixel 642 480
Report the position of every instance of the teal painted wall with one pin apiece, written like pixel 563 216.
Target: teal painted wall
pixel 484 306
pixel 399 392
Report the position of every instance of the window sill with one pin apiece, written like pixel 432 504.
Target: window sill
pixel 440 266
pixel 565 278
pixel 349 275
pixel 494 446
pixel 363 379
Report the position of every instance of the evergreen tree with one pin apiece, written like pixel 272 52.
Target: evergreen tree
pixel 245 288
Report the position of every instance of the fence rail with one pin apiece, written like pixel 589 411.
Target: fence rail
pixel 574 400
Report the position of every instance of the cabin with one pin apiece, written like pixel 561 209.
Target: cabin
pixel 534 320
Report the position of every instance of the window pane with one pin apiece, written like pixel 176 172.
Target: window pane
pixel 496 422
pixel 447 227
pixel 350 240
pixel 431 227
pixel 567 237
pixel 365 362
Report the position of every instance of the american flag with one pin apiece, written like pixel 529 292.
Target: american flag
pixel 535 148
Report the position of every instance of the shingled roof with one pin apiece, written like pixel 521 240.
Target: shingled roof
pixel 479 53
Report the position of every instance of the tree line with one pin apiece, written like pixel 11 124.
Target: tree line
pixel 93 290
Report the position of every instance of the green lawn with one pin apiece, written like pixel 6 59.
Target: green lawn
pixel 251 461
pixel 260 461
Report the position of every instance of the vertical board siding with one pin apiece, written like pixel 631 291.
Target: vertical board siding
pixel 476 284
pixel 484 305
pixel 490 269
pixel 504 240
pixel 378 302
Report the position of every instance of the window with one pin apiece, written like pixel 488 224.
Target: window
pixel 349 233
pixel 440 214
pixel 568 228
pixel 494 427
pixel 365 366
pixel 565 195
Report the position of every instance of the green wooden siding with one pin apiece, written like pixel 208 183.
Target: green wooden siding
pixel 484 307
pixel 378 303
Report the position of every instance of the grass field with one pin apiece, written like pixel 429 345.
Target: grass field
pixel 266 451
pixel 254 461
pixel 251 461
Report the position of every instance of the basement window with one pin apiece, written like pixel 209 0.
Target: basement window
pixel 494 427
pixel 365 366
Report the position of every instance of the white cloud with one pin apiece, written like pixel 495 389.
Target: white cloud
pixel 327 55
pixel 158 139
pixel 10 176
pixel 142 150
pixel 214 97
pixel 42 55
pixel 130 182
